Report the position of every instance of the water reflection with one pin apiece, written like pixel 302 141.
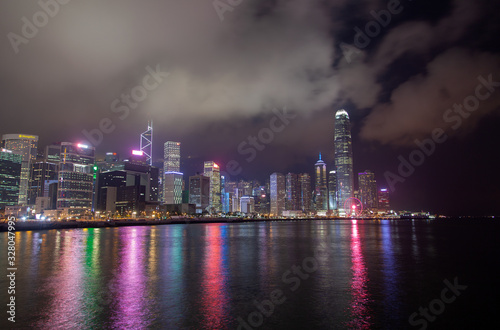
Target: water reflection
pixel 360 312
pixel 132 307
pixel 66 288
pixel 370 274
pixel 390 274
pixel 173 276
pixel 214 296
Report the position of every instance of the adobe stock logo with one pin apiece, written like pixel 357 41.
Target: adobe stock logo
pixel 254 144
pixel 30 29
pixel 372 29
pixel 125 103
pixel 437 306
pixel 222 6
pixel 428 146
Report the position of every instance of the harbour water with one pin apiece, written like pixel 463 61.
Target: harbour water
pixel 342 274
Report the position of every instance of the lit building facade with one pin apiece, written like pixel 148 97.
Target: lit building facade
pixel 172 177
pixel 172 188
pixel 212 170
pixel 53 153
pixel 343 157
pixel 320 187
pixel 247 204
pixel 41 171
pixel 305 192
pixel 199 192
pixel 277 193
pixel 172 156
pixel 112 157
pixel 10 177
pixel 292 201
pixel 383 199
pixel 368 190
pixel 75 177
pixel 130 186
pixel 27 146
pixel 332 190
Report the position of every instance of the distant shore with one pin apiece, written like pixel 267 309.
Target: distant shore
pixel 48 225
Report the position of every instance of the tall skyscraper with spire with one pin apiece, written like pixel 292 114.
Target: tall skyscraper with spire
pixel 321 188
pixel 147 143
pixel 343 157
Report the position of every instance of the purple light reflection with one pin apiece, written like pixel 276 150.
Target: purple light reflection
pixel 130 292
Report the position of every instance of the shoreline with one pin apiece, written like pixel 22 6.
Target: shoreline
pixel 49 225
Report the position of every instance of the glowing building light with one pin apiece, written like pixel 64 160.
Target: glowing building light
pixel 83 146
pixel 137 152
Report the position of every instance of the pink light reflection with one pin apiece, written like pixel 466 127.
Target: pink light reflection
pixel 213 298
pixel 129 287
pixel 360 313
pixel 65 306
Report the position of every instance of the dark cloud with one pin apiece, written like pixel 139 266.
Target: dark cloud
pixel 419 105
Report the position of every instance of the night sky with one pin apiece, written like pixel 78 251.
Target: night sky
pixel 225 68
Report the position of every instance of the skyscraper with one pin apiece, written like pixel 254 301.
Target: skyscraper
pixel 212 170
pixel 76 177
pixel 368 189
pixel 129 186
pixel 247 204
pixel 343 157
pixel 172 177
pixel 292 192
pixel 26 145
pixel 10 177
pixel 172 188
pixel 112 157
pixel 320 187
pixel 383 199
pixel 305 192
pixel 332 190
pixel 277 192
pixel 41 171
pixel 199 192
pixel 146 143
pixel 172 156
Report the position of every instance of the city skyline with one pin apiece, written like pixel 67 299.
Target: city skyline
pixel 230 164
pixel 222 86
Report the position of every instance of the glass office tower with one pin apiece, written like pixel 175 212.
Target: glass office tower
pixel 343 157
pixel 27 146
